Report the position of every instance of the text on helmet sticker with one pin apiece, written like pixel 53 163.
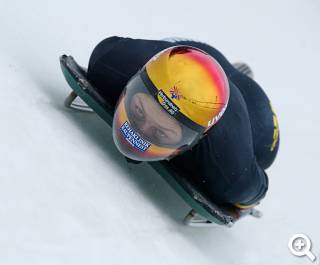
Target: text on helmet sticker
pixel 134 138
pixel 167 104
pixel 217 117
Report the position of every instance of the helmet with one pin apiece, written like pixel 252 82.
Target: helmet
pixel 170 104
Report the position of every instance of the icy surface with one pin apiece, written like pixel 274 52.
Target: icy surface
pixel 68 197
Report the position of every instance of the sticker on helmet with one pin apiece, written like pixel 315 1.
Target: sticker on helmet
pixel 167 104
pixel 217 117
pixel 133 138
pixel 175 94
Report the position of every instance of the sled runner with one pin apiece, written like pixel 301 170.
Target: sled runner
pixel 205 212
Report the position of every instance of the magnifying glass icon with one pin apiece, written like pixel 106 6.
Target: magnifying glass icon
pixel 300 245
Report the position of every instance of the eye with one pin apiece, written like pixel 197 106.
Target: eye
pixel 160 134
pixel 139 112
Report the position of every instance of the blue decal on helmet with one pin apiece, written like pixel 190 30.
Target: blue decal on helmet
pixel 134 138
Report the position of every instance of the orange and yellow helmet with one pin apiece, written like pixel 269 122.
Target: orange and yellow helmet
pixel 168 106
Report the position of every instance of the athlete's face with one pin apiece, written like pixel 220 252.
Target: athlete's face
pixel 152 122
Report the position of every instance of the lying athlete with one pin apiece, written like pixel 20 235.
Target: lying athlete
pixel 183 101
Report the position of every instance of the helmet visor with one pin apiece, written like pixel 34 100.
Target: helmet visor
pixel 144 129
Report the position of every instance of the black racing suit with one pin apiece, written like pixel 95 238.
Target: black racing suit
pixel 228 164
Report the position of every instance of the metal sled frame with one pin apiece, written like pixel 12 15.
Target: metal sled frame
pixel 204 212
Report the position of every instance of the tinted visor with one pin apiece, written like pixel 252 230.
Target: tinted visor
pixel 145 130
